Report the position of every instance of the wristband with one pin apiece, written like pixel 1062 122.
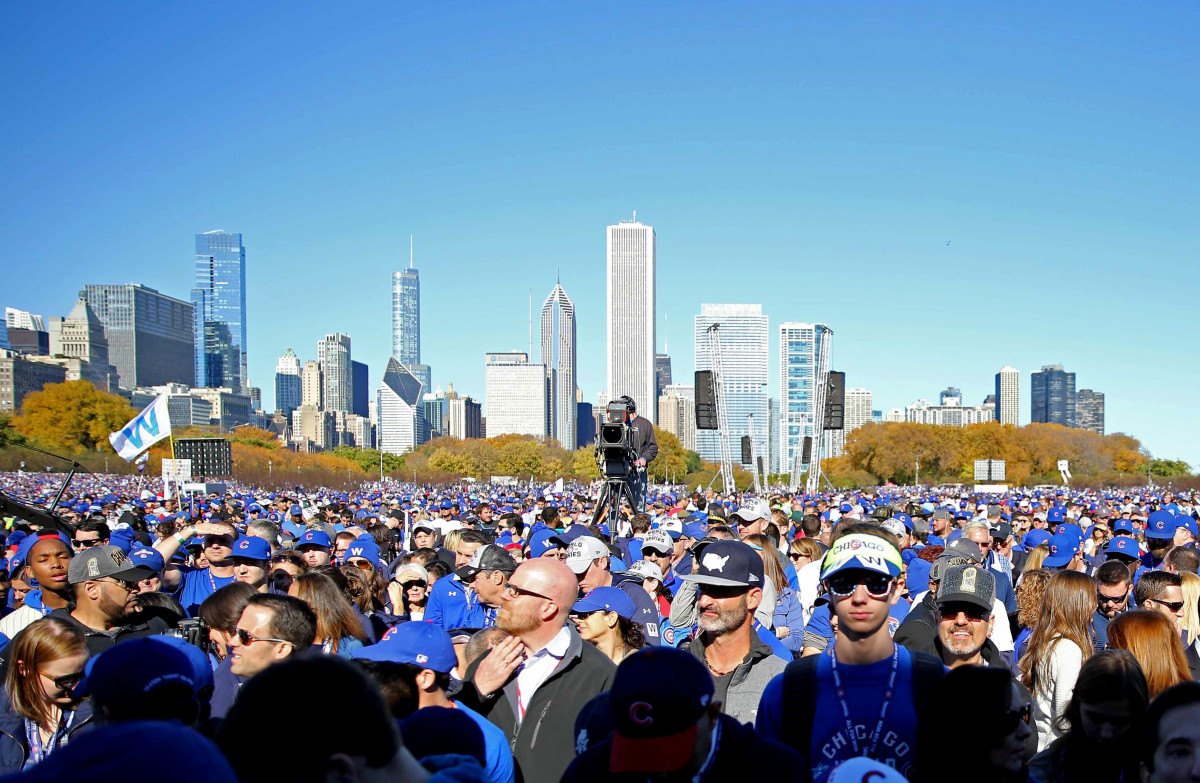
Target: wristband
pixel 181 539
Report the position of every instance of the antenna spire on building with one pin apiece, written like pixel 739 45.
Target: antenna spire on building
pixel 530 354
pixel 410 251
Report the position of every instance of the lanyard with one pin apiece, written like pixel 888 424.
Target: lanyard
pixel 34 735
pixel 887 700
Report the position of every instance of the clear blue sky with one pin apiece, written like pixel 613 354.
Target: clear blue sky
pixel 814 158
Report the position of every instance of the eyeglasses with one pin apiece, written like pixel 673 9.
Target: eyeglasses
pixel 1013 718
pixel 91 542
pixel 1174 606
pixel 246 638
pixel 65 682
pixel 1113 599
pixel 129 587
pixel 514 590
pixel 842 585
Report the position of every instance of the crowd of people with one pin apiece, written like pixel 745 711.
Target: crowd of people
pixel 502 634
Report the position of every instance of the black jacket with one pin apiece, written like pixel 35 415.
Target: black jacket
pixel 544 744
pixel 1193 660
pixel 644 442
pixel 918 631
pixel 99 641
pixel 742 754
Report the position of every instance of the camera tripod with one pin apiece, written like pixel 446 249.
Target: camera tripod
pixel 608 505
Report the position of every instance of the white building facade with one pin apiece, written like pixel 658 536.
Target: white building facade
pixel 517 395
pixel 744 375
pixel 799 345
pixel 1008 396
pixel 630 321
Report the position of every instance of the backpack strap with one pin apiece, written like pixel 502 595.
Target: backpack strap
pixel 927 671
pixel 800 703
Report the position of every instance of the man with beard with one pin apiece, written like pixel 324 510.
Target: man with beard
pixel 106 586
pixel 533 684
pixel 729 582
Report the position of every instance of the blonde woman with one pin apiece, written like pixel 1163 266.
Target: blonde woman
pixel 1191 602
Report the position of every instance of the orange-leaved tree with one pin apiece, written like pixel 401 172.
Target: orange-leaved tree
pixel 74 416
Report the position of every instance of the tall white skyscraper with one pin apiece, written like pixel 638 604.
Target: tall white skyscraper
pixel 311 391
pixel 517 395
pixel 1008 396
pixel 333 354
pixel 558 354
pixel 288 395
pixel 630 320
pixel 398 408
pixel 22 319
pixel 744 360
pixel 798 349
pixel 858 408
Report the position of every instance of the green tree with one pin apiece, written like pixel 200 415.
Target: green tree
pixel 74 416
pixel 368 459
pixel 520 458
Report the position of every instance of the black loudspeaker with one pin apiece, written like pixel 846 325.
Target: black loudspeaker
pixel 706 401
pixel 835 401
pixel 806 452
pixel 746 459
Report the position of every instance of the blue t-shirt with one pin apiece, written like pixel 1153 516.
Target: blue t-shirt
pixel 818 621
pixel 495 747
pixel 197 585
pixel 864 686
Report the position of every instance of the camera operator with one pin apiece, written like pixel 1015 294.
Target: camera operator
pixel 646 447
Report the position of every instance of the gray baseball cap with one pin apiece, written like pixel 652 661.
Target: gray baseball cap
pixel 105 561
pixel 968 584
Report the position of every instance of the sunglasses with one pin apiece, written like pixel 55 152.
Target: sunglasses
pixel 1174 606
pixel 359 563
pixel 974 614
pixel 722 591
pixel 842 585
pixel 1013 718
pixel 1112 599
pixel 86 544
pixel 513 590
pixel 65 682
pixel 246 638
pixel 797 555
pixel 411 585
pixel 129 587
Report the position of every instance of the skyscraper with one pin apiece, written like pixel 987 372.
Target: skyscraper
pixel 398 409
pixel 23 319
pixel 630 320
pixel 1008 396
pixel 677 414
pixel 333 354
pixel 558 354
pixel 311 389
pixel 361 386
pixel 662 373
pixel 517 395
pixel 1052 396
pixel 1089 410
pixel 858 408
pixel 406 321
pixel 799 345
pixel 150 335
pixel 288 396
pixel 219 299
pixel 80 337
pixel 744 361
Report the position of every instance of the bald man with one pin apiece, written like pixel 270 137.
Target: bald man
pixel 533 684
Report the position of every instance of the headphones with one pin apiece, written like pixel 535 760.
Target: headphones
pixel 625 398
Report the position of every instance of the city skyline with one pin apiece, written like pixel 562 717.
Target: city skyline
pixel 1037 169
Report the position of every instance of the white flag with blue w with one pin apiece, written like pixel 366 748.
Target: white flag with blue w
pixel 147 428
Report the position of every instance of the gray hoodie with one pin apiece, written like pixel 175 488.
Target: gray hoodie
pixel 749 680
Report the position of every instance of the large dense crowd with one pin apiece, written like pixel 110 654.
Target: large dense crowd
pixel 496 633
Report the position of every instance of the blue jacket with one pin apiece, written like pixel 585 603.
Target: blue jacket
pixel 646 610
pixel 789 613
pixel 14 746
pixel 449 606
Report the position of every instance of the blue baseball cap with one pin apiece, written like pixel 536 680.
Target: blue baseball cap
pixel 695 530
pixel 904 519
pixel 29 542
pixel 1122 526
pixel 606 599
pixel 1062 549
pixel 364 547
pixel 150 558
pixel 127 673
pixel 1161 524
pixel 1124 545
pixel 1189 524
pixel 542 542
pixel 1035 537
pixel 422 644
pixel 1054 516
pixel 251 548
pixel 314 538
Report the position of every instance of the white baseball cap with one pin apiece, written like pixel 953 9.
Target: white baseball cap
pixel 582 551
pixel 753 510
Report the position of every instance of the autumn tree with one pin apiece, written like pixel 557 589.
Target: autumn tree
pixel 74 416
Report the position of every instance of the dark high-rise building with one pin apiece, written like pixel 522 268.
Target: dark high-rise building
pixel 585 427
pixel 1052 396
pixel 361 389
pixel 219 299
pixel 1089 410
pixel 150 335
pixel 30 342
pixel 662 375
